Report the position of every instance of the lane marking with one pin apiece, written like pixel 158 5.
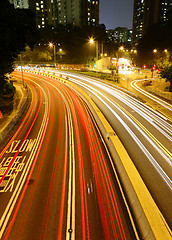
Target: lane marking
pixel 11 204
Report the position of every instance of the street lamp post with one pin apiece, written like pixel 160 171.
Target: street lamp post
pixel 22 69
pixel 152 70
pixel 92 41
pixel 102 48
pixel 54 47
pixel 120 49
pixel 60 52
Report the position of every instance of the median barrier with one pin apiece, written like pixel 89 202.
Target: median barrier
pixel 147 216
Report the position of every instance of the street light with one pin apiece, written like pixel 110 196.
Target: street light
pixel 120 49
pixel 93 41
pixel 154 65
pixel 54 46
pixel 60 52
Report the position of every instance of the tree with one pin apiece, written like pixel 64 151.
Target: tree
pixel 166 72
pixel 36 55
pixel 17 29
pixel 73 40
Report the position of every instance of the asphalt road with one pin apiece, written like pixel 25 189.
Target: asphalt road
pixel 56 172
pixel 145 133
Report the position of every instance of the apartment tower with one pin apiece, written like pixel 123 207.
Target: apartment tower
pixel 75 12
pixel 146 13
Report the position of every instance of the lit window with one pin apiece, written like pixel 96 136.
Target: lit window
pixel 37 8
pixel 37 4
pixel 42 6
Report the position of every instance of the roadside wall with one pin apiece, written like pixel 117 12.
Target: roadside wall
pixel 103 64
pixel 165 95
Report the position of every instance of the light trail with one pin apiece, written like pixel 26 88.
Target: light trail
pixel 82 165
pixel 24 122
pixel 93 90
pixel 154 117
pixel 8 211
pixel 136 105
pixel 147 154
pixel 154 98
pixel 167 126
pixel 92 144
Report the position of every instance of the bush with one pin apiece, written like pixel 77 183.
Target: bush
pixel 7 89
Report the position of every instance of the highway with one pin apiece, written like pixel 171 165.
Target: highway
pixel 57 179
pixel 145 133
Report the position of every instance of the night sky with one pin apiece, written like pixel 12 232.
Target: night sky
pixel 116 13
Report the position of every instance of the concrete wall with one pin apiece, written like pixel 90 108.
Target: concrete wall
pixel 103 64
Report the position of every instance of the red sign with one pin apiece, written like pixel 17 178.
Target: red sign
pixel 1 116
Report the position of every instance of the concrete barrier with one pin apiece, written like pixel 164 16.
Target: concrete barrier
pixel 148 218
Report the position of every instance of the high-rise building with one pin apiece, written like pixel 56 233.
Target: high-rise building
pixel 75 12
pixel 146 13
pixel 120 34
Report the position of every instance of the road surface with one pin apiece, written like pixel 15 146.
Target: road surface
pixel 57 177
pixel 145 133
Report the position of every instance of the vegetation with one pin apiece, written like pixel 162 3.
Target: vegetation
pixel 16 31
pixel 166 72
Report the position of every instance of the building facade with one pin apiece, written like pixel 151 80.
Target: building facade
pixel 54 12
pixel 146 13
pixel 120 34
